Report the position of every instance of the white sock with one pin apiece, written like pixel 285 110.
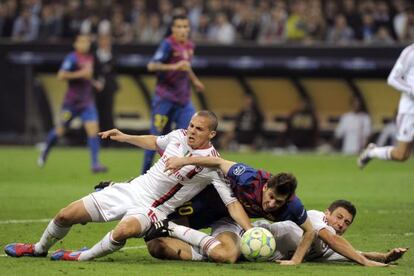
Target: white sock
pixel 52 234
pixel 196 255
pixel 104 247
pixel 383 153
pixel 194 237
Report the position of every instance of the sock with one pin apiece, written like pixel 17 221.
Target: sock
pixel 196 255
pixel 104 247
pixel 51 235
pixel 50 142
pixel 93 143
pixel 383 153
pixel 194 237
pixel 148 157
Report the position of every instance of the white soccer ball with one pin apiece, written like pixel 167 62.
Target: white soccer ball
pixel 258 244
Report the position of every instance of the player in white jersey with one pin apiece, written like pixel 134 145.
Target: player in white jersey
pixel 329 245
pixel 402 79
pixel 146 199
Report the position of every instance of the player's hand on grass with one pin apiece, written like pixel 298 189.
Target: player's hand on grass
pixel 286 262
pixel 114 134
pixel 395 254
pixel 174 164
pixel 374 263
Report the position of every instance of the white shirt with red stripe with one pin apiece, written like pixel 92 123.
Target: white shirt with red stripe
pixel 402 79
pixel 166 192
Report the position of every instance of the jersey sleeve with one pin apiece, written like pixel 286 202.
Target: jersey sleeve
pixel 163 140
pixel 68 63
pixel 223 188
pixel 317 219
pixel 242 174
pixel 163 52
pixel 397 78
pixel 299 214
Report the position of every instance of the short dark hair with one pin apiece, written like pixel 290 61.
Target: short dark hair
pixel 179 17
pixel 211 116
pixel 347 205
pixel 283 184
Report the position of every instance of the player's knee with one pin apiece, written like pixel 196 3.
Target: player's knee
pixel 65 217
pixel 126 229
pixel 221 254
pixel 157 248
pixel 401 156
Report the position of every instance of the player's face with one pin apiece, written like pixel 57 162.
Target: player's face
pixel 199 133
pixel 340 219
pixel 272 201
pixel 181 29
pixel 82 44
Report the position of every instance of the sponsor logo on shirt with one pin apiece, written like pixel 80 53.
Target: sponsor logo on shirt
pixel 239 170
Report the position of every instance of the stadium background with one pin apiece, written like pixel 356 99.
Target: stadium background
pixel 279 76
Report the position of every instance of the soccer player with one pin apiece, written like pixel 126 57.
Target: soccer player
pixel 172 99
pixel 261 194
pixel 402 79
pixel 77 70
pixel 146 199
pixel 329 245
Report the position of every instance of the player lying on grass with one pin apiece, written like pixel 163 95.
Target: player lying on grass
pixel 328 246
pixel 261 194
pixel 146 199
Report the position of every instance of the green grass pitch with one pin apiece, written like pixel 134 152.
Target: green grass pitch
pixel 383 194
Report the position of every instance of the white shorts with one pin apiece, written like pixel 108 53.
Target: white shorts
pixel 119 201
pixel 405 127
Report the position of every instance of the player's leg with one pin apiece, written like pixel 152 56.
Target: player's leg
pixel 90 120
pixel 182 116
pixel 110 204
pixel 400 152
pixel 134 224
pixel 172 249
pixel 65 117
pixel 58 228
pixel 160 121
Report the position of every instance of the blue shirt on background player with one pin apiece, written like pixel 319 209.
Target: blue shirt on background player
pixel 77 70
pixel 172 99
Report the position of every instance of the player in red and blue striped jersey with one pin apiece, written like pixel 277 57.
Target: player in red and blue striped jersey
pixel 77 70
pixel 172 99
pixel 260 193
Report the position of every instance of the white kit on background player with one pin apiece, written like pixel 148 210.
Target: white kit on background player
pixel 288 235
pixel 157 190
pixel 402 79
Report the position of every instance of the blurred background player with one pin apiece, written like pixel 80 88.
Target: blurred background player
pixel 172 99
pixel 402 79
pixel 106 83
pixel 354 128
pixel 77 70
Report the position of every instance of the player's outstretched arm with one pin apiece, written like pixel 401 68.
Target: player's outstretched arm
pixel 239 215
pixel 305 243
pixel 343 247
pixel 182 65
pixel 173 164
pixel 143 141
pixel 387 257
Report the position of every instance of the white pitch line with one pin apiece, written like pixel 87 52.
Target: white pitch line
pixel 17 221
pixel 123 249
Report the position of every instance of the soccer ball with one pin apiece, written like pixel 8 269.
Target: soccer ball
pixel 257 244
